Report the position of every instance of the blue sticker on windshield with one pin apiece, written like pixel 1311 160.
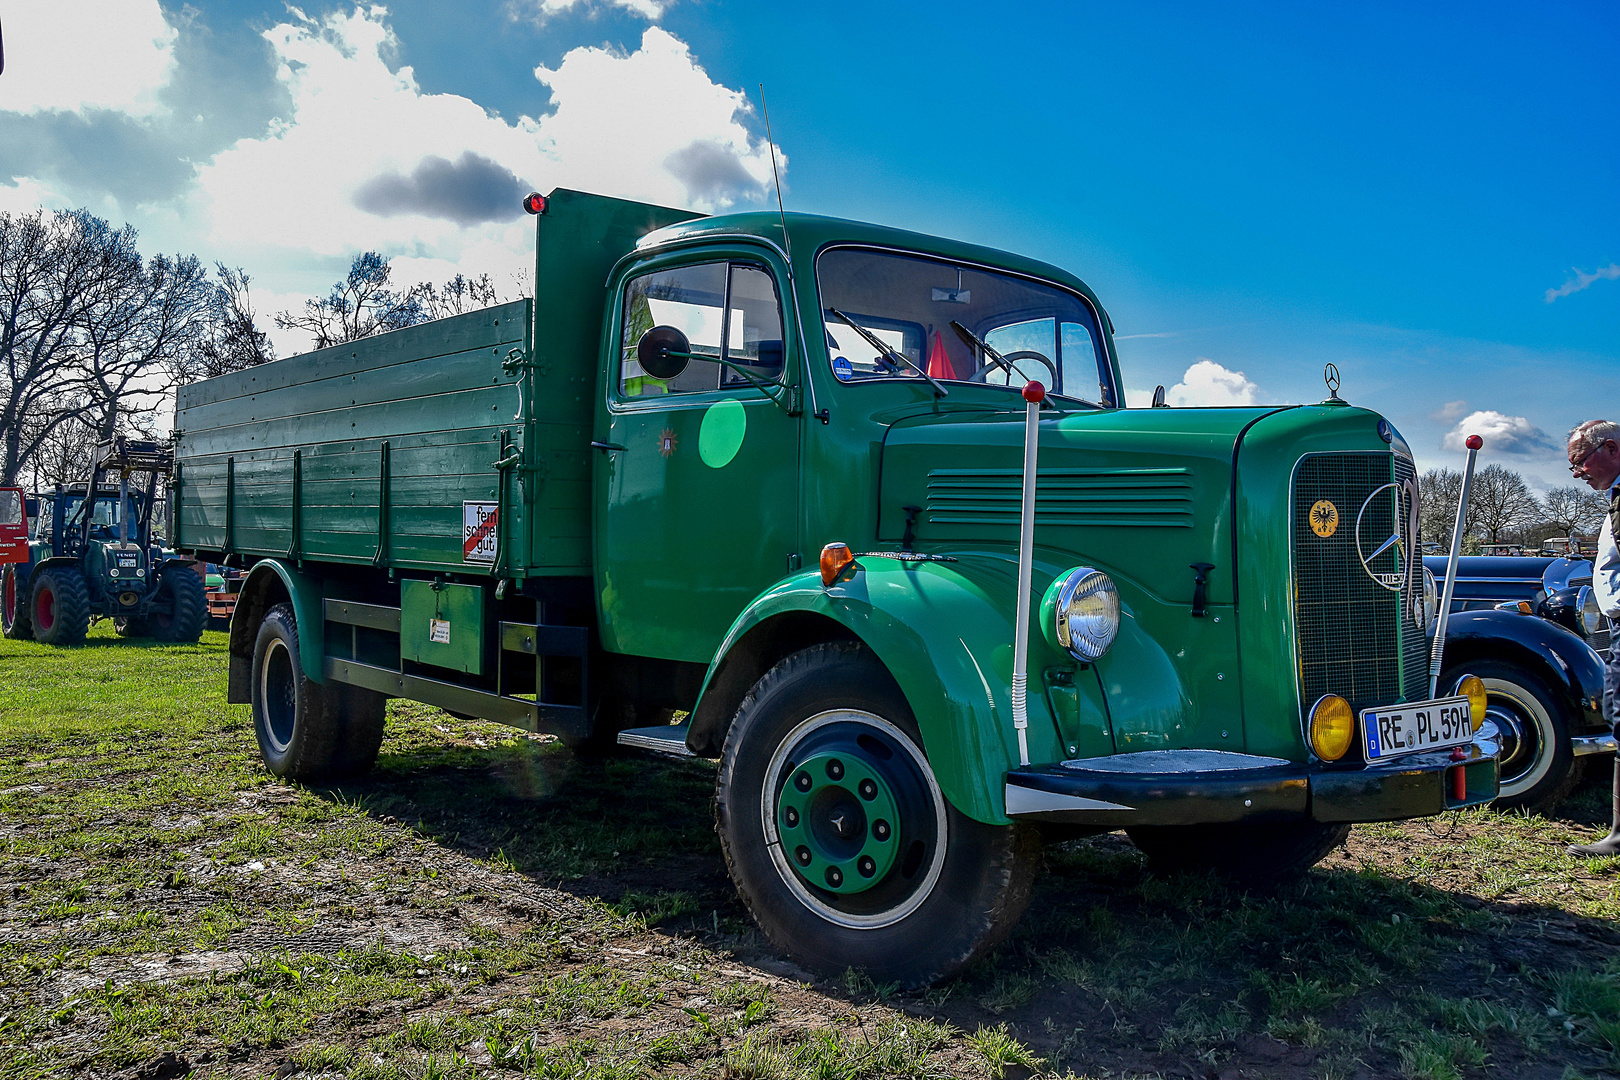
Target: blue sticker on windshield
pixel 843 369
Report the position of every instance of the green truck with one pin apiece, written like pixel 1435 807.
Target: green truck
pixel 770 476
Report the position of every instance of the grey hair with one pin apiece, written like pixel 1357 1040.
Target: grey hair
pixel 1593 434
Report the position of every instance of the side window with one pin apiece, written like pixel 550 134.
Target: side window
pixel 728 311
pixel 11 507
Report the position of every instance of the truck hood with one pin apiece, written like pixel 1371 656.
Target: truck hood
pixel 1143 491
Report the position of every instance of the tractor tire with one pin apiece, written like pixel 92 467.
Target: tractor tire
pixel 1538 767
pixel 839 839
pixel 16 617
pixel 1255 853
pixel 60 606
pixel 308 731
pixel 181 609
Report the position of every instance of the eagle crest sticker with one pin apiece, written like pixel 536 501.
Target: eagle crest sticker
pixel 667 442
pixel 1324 518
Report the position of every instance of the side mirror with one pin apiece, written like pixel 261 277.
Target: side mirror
pixel 1158 397
pixel 663 352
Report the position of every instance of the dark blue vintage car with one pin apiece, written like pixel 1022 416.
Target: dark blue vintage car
pixel 1529 627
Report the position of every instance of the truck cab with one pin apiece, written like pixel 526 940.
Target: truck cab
pixel 781 477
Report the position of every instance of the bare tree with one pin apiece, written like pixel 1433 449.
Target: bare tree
pixel 1503 502
pixel 1440 489
pixel 1574 510
pixel 361 305
pixel 459 295
pixel 230 338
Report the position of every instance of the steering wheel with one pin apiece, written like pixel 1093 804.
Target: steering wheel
pixel 1022 354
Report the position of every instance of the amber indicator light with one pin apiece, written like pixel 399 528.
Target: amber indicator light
pixel 835 559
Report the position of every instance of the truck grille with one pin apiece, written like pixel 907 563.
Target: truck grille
pixel 1356 638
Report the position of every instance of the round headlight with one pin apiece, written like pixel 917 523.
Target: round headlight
pixel 1332 726
pixel 1431 601
pixel 1080 613
pixel 1591 616
pixel 1473 689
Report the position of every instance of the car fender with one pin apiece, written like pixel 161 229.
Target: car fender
pixel 1561 658
pixel 944 631
pixel 271 582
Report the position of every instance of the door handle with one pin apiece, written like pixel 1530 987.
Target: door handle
pixel 607 446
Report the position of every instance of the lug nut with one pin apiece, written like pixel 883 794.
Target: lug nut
pixel 802 781
pixel 835 769
pixel 866 866
pixel 803 855
pixel 835 876
pixel 868 790
pixel 880 829
pixel 791 817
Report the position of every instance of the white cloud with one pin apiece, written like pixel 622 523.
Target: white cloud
pixel 1580 279
pixel 1503 434
pixel 1449 411
pixel 364 159
pixel 1208 383
pixel 647 9
pixel 80 55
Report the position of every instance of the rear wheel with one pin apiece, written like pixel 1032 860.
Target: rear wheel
pixel 307 730
pixel 1536 765
pixel 16 619
pixel 60 608
pixel 1254 852
pixel 838 836
pixel 180 608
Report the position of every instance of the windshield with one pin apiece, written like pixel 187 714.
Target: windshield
pixel 954 321
pixel 105 514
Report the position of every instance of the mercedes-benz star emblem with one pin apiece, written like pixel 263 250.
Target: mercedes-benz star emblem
pixel 1403 539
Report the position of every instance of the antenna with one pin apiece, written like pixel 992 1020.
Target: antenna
pixel 782 213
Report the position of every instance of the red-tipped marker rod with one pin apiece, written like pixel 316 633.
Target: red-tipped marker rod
pixel 1473 442
pixel 1034 394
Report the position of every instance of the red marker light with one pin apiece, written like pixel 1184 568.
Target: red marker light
pixel 1474 442
pixel 534 203
pixel 1034 392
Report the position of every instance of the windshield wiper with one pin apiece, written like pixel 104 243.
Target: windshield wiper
pixel 888 352
pixel 995 357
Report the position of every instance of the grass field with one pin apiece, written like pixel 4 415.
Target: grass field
pixel 487 904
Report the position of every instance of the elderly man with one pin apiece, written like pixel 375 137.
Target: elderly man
pixel 1594 456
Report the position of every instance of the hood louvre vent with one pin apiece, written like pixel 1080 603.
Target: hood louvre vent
pixel 1133 498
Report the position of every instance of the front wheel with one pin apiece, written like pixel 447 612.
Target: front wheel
pixel 180 608
pixel 1536 765
pixel 1259 852
pixel 838 836
pixel 60 608
pixel 15 619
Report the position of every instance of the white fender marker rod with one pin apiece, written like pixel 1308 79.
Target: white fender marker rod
pixel 1034 394
pixel 1474 443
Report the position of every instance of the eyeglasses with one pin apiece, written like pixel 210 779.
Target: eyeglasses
pixel 1576 466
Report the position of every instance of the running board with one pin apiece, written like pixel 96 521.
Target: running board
pixel 668 739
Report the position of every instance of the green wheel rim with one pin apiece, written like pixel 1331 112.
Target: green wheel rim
pixel 839 822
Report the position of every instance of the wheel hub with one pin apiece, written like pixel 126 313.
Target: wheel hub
pixel 1516 755
pixel 839 822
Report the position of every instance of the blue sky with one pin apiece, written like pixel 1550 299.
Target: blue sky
pixel 1253 191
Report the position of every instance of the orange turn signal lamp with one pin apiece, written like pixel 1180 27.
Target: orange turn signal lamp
pixel 835 559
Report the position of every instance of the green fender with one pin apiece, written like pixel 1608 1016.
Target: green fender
pixel 306 593
pixel 944 630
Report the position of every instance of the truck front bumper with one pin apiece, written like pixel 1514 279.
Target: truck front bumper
pixel 1201 787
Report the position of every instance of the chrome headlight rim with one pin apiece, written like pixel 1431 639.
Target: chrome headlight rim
pixel 1431 601
pixel 1588 616
pixel 1090 647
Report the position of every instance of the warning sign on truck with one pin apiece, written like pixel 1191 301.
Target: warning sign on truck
pixel 478 532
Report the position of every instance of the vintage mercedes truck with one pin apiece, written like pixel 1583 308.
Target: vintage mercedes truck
pixel 774 473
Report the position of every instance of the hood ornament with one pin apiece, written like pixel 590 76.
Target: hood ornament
pixel 1330 375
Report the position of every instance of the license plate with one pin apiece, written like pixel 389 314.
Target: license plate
pixel 1416 726
pixel 128 561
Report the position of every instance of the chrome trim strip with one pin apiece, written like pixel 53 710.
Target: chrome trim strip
pixel 1593 744
pixel 1162 762
pixel 1022 800
pixel 646 739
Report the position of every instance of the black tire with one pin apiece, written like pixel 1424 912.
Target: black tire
pixel 180 608
pixel 59 606
pixel 948 888
pixel 1255 853
pixel 16 618
pixel 308 731
pixel 1538 767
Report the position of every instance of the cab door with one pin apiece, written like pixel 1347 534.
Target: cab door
pixel 698 475
pixel 13 526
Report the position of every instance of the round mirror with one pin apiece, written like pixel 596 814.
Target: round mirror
pixel 663 352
